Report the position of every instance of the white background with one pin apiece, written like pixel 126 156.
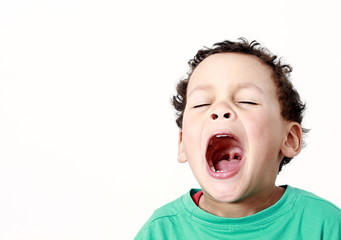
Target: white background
pixel 88 142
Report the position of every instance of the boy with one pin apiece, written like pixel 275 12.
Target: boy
pixel 240 122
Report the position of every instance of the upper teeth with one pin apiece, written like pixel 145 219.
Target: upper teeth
pixel 222 135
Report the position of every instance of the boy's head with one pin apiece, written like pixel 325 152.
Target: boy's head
pixel 239 118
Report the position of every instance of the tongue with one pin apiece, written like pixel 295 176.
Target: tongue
pixel 224 165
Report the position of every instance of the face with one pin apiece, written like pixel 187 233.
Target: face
pixel 233 132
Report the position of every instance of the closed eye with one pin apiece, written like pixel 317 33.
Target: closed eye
pixel 201 105
pixel 247 102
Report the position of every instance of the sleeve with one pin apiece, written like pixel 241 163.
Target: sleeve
pixel 144 232
pixel 332 228
pixel 156 230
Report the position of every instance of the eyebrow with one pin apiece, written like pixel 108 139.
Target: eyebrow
pixel 206 87
pixel 199 88
pixel 249 85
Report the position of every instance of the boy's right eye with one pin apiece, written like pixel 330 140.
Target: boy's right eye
pixel 201 105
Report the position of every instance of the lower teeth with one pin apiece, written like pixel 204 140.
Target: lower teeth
pixel 217 171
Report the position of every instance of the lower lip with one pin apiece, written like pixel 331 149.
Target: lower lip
pixel 225 175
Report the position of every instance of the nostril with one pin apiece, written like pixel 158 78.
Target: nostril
pixel 226 115
pixel 214 116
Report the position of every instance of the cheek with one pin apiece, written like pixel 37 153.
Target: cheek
pixel 191 131
pixel 265 132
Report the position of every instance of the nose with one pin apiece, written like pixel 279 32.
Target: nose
pixel 215 116
pixel 221 111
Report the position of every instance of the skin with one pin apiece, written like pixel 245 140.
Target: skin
pixel 241 86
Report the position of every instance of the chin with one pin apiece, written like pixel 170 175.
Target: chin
pixel 227 194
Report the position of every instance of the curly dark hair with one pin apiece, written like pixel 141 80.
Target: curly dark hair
pixel 292 108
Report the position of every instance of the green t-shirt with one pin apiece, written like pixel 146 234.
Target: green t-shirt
pixel 297 215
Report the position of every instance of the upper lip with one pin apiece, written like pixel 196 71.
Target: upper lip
pixel 217 133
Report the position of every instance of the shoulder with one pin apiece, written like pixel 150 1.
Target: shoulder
pixel 164 219
pixel 311 198
pixel 170 209
pixel 311 216
pixel 311 204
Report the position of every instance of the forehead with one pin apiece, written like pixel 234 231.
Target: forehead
pixel 224 69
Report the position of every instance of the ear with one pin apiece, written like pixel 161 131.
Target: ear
pixel 182 158
pixel 292 143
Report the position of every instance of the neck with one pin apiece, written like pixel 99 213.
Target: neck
pixel 243 208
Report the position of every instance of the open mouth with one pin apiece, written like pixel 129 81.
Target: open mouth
pixel 224 153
